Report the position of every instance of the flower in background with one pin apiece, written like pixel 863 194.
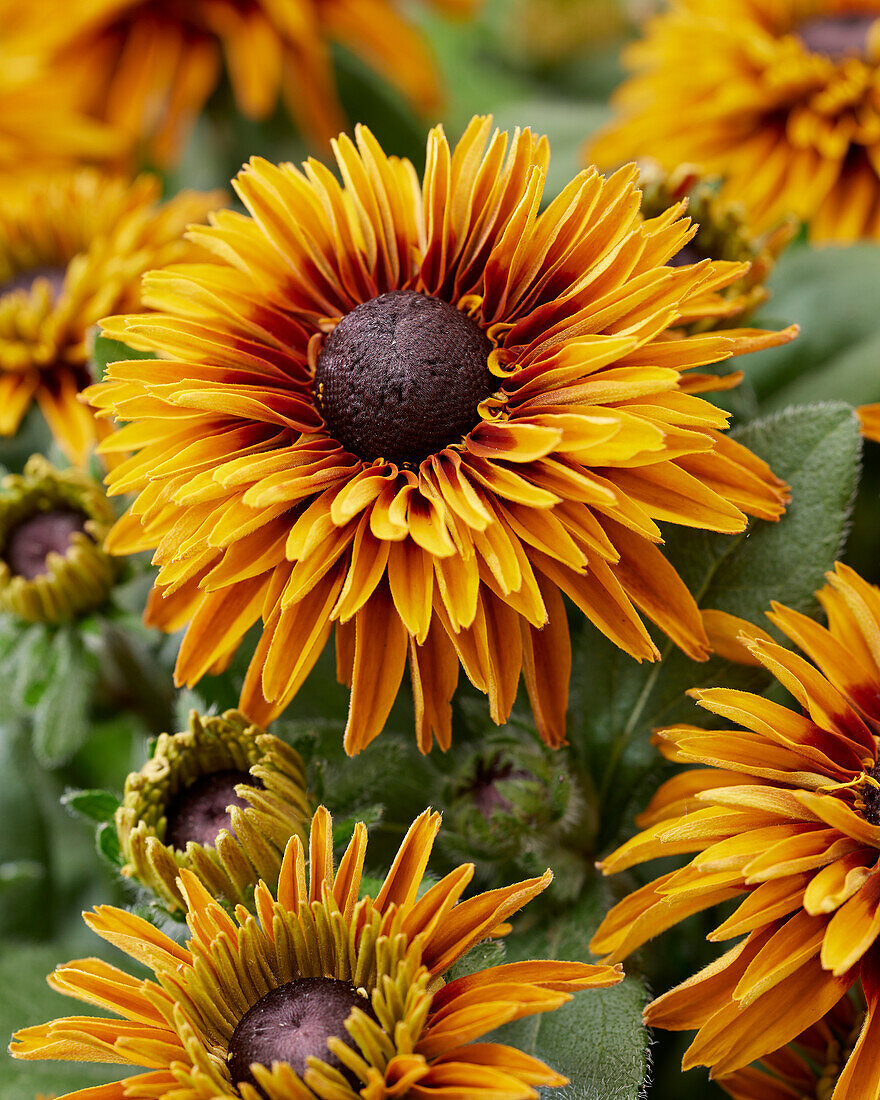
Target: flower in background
pixel 222 1017
pixel 38 132
pixel 40 125
pixel 222 798
pixel 722 234
pixel 73 246
pixel 422 414
pixel 785 811
pixel 869 418
pixel 514 807
pixel 810 1066
pixel 782 100
pixel 547 32
pixel 149 66
pixel 53 523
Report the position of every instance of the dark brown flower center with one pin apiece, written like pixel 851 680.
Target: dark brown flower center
pixel 687 254
pixel 292 1023
pixel 837 36
pixel 198 812
pixel 401 376
pixel 25 280
pixel 30 543
pixel 870 797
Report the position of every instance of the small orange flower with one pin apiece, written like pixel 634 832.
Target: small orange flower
pixel 222 1017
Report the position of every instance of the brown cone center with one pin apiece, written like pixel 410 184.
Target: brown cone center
pixel 30 543
pixel 198 812
pixel 837 36
pixel 25 280
pixel 292 1023
pixel 870 796
pixel 401 376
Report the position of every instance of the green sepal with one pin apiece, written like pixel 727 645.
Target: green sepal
pixel 482 956
pixel 95 805
pixel 107 844
pixel 343 829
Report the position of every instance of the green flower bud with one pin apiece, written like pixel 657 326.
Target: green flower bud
pixel 510 803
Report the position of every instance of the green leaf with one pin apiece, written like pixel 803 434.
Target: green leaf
pixel 598 1040
pixel 616 702
pixel 482 956
pixel 95 805
pixel 31 666
pixel 832 294
pixel 106 351
pixel 107 843
pixel 61 718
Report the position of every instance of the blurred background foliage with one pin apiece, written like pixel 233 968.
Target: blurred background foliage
pixel 509 803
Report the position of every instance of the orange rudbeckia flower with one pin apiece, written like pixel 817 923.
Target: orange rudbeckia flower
pixel 148 67
pixel 779 97
pixel 73 245
pixel 420 414
pixel 323 995
pixel 784 815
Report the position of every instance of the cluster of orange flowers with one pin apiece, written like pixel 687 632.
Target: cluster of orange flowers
pixel 424 415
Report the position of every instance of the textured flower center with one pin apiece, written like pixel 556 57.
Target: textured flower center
pixel 198 812
pixel 25 280
pixel 870 797
pixel 30 543
pixel 837 36
pixel 293 1023
pixel 401 376
pixel 687 254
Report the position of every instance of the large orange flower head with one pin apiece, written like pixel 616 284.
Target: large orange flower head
pixel 74 245
pixel 785 815
pixel 323 995
pixel 421 414
pixel 149 66
pixel 781 97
